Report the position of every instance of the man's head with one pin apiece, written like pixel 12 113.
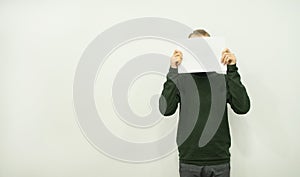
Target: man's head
pixel 199 33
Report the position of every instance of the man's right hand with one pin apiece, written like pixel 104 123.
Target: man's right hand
pixel 176 58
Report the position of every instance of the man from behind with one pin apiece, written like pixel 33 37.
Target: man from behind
pixel 212 159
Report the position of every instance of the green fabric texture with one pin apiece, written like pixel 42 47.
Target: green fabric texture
pixel 184 89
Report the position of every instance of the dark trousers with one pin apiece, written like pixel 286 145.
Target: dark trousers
pixel 190 170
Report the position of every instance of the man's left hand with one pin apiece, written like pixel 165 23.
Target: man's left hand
pixel 228 58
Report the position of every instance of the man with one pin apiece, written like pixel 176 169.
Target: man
pixel 212 159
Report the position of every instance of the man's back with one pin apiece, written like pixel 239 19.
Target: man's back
pixel 203 135
pixel 203 96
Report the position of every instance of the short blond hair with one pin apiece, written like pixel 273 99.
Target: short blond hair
pixel 199 32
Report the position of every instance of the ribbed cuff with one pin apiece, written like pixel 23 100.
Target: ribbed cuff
pixel 173 70
pixel 232 68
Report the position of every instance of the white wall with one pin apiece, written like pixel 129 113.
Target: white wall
pixel 41 44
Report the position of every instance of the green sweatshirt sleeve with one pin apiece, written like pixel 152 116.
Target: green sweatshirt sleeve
pixel 170 97
pixel 237 95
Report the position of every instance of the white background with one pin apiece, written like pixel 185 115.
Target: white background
pixel 41 43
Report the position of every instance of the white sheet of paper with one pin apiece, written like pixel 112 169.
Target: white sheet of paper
pixel 202 55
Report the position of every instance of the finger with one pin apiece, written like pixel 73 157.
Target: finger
pixel 226 50
pixel 177 51
pixel 221 60
pixel 228 59
pixel 179 61
pixel 224 58
pixel 175 60
pixel 224 55
pixel 178 55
